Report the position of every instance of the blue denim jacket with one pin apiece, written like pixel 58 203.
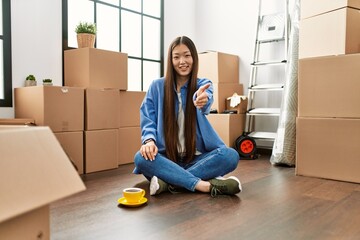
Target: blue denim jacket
pixel 151 117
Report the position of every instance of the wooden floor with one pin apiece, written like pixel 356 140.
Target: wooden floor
pixel 274 204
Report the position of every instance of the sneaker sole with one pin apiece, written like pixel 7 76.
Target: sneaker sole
pixel 154 185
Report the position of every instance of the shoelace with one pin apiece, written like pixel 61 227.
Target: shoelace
pixel 216 191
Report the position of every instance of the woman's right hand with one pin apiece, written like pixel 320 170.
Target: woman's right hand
pixel 149 150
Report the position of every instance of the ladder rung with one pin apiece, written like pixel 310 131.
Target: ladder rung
pixel 267 87
pixel 264 111
pixel 271 40
pixel 263 135
pixel 268 63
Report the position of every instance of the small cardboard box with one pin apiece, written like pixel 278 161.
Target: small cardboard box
pixel 228 126
pixel 101 109
pixel 240 103
pixel 310 8
pixel 73 145
pixel 60 108
pixel 328 148
pixel 219 67
pixel 129 144
pixel 329 86
pixel 101 150
pixel 95 68
pixel 333 33
pixel 34 172
pixel 130 102
pixel 222 91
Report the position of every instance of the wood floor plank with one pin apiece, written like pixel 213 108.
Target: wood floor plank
pixel 274 204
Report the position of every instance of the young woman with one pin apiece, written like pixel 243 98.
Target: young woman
pixel 180 147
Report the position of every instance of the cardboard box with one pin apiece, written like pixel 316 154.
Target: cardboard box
pixel 17 121
pixel 222 91
pixel 34 172
pixel 333 33
pixel 60 108
pixel 219 67
pixel 328 148
pixel 101 109
pixel 241 107
pixel 101 150
pixel 228 126
pixel 329 86
pixel 129 144
pixel 95 68
pixel 130 103
pixel 310 8
pixel 73 145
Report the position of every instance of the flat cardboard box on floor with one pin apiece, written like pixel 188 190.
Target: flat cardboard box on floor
pixel 310 8
pixel 101 109
pixel 60 108
pixel 130 102
pixel 228 126
pixel 34 172
pixel 73 145
pixel 328 148
pixel 101 150
pixel 222 91
pixel 329 86
pixel 17 121
pixel 333 33
pixel 95 68
pixel 219 67
pixel 129 144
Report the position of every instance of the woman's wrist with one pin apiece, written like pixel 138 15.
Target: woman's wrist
pixel 148 140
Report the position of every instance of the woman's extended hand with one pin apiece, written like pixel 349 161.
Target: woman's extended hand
pixel 201 96
pixel 149 150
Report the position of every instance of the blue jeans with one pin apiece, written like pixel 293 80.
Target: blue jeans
pixel 206 166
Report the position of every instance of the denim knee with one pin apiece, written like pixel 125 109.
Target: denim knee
pixel 232 158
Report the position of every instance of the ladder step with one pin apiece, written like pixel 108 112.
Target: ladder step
pixel 271 40
pixel 268 63
pixel 263 135
pixel 264 111
pixel 267 87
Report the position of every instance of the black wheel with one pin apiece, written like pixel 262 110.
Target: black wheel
pixel 245 146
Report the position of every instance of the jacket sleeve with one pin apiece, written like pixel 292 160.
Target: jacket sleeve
pixel 148 116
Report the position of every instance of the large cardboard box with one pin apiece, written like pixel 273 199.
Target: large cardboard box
pixel 328 148
pixel 101 108
pixel 310 8
pixel 329 86
pixel 60 108
pixel 219 67
pixel 222 91
pixel 228 126
pixel 333 33
pixel 130 102
pixel 34 172
pixel 129 144
pixel 101 150
pixel 73 145
pixel 95 68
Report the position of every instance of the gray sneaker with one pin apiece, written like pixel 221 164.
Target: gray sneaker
pixel 228 186
pixel 157 186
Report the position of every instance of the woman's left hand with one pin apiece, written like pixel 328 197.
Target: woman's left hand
pixel 201 96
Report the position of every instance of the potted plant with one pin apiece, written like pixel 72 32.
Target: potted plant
pixel 47 81
pixel 30 80
pixel 86 34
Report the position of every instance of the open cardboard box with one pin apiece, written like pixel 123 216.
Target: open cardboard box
pixel 34 172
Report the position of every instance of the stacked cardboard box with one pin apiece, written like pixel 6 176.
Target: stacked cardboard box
pixel 60 108
pixel 35 172
pixel 223 70
pixel 328 123
pixel 103 74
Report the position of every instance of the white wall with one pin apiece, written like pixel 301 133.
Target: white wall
pixel 36 43
pixel 227 26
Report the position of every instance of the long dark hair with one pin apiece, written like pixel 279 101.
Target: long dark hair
pixel 171 127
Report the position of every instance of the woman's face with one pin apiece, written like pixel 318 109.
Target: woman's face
pixel 182 60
